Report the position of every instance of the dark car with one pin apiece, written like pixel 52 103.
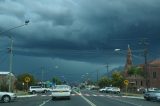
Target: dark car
pixel 148 95
pixel 155 95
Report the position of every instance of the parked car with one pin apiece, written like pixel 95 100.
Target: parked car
pixel 61 91
pixel 103 89
pixel 156 95
pixel 37 89
pixel 152 95
pixel 113 90
pixel 7 96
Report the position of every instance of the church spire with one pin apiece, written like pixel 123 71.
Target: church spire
pixel 128 59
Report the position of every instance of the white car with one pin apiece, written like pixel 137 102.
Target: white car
pixel 7 96
pixel 61 91
pixel 103 89
pixel 37 89
pixel 113 90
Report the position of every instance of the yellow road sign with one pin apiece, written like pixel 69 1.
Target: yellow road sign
pixel 126 82
pixel 27 79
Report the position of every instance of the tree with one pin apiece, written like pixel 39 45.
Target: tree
pixel 136 71
pixel 21 80
pixel 104 81
pixel 117 79
pixel 4 85
pixel 56 81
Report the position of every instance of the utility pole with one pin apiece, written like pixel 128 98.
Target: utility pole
pixel 145 43
pixel 107 66
pixel 10 65
pixel 42 75
pixel 97 75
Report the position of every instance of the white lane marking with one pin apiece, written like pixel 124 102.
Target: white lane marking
pixel 73 94
pixel 79 94
pixel 88 101
pixel 128 102
pixel 94 95
pixel 44 102
pixel 24 96
pixel 122 101
pixel 86 94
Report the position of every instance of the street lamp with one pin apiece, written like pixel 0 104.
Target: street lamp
pixel 117 50
pixel 26 23
pixel 11 51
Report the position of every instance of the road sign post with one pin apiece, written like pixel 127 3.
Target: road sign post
pixel 126 82
pixel 27 80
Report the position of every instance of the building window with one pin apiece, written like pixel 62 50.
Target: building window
pixel 154 74
pixel 136 83
pixel 135 75
pixel 141 83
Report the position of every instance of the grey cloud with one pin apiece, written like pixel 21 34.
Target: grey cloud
pixel 80 25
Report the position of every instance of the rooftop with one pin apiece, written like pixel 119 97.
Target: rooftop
pixel 5 73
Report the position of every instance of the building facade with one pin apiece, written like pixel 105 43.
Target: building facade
pixel 151 77
pixel 154 74
pixel 5 78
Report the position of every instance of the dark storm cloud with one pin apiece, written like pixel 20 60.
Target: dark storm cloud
pixel 80 30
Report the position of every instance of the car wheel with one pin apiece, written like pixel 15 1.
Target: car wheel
pixel 45 91
pixel 33 92
pixel 68 97
pixel 53 98
pixel 147 99
pixel 118 92
pixel 6 98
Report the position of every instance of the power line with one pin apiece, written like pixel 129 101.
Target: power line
pixel 144 43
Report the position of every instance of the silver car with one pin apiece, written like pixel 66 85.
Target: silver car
pixel 152 95
pixel 7 96
pixel 61 91
pixel 156 95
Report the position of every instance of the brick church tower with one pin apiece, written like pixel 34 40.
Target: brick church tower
pixel 128 61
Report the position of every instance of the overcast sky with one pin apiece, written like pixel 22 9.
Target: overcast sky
pixel 74 37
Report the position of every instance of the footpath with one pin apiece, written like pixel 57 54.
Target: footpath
pixel 132 95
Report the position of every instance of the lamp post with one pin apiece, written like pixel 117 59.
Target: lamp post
pixel 26 23
pixel 11 52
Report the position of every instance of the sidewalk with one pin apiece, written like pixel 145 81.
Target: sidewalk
pixel 132 95
pixel 21 94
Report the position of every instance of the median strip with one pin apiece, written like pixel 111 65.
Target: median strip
pixel 23 96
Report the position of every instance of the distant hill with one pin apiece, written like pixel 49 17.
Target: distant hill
pixel 120 68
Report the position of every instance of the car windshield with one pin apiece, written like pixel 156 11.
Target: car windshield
pixel 61 87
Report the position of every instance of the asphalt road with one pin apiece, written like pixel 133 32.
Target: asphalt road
pixel 87 98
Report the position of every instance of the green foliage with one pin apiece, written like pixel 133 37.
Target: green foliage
pixel 56 81
pixel 136 71
pixel 4 85
pixel 104 81
pixel 117 79
pixel 21 80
